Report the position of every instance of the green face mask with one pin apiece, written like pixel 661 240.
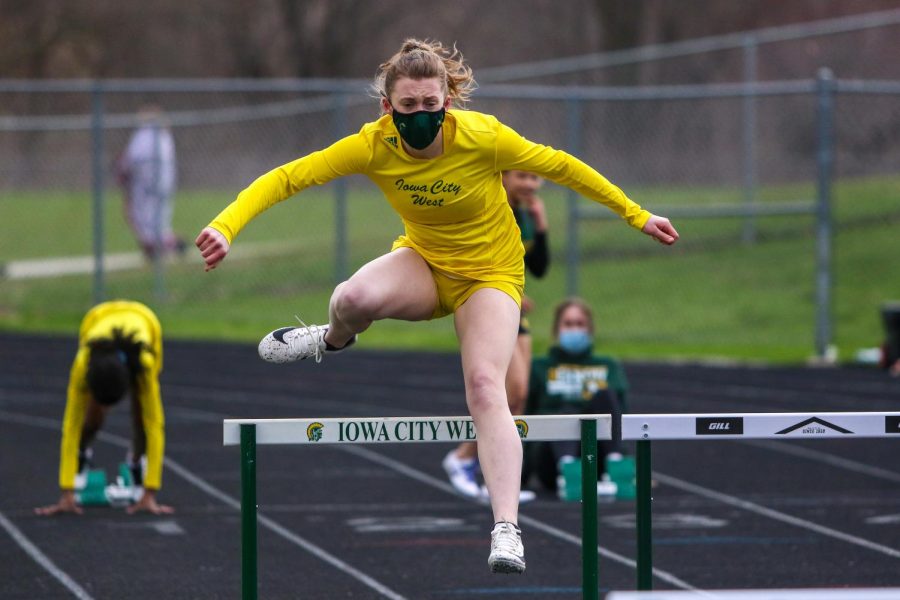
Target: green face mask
pixel 418 129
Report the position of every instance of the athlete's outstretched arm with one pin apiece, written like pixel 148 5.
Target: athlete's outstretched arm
pixel 515 152
pixel 345 157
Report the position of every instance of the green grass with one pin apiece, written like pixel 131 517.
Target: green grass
pixel 709 296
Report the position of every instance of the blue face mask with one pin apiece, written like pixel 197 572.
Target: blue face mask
pixel 574 341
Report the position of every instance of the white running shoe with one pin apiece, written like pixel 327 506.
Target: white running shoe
pixel 288 344
pixel 507 552
pixel 462 474
pixel 606 487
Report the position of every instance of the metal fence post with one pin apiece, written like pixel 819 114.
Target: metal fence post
pixel 97 180
pixel 573 127
pixel 589 569
pixel 748 133
pixel 824 167
pixel 341 107
pixel 248 512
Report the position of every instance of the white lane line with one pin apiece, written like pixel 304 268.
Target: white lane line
pixel 773 514
pixel 283 532
pixel 40 558
pixel 163 527
pixel 218 494
pixel 35 421
pixel 824 457
pixel 546 528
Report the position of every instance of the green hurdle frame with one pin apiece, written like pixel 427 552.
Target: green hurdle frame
pixel 733 426
pixel 643 473
pixel 249 575
pixel 247 436
pixel 639 428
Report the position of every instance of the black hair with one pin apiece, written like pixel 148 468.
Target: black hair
pixel 113 366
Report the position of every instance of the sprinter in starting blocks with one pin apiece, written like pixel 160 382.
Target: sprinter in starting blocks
pixel 118 362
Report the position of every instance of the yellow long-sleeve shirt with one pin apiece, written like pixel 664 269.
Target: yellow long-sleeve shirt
pixel 99 322
pixel 453 207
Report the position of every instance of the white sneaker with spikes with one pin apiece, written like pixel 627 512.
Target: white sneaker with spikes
pixel 288 344
pixel 507 551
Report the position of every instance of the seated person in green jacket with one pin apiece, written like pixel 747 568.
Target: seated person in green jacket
pixel 571 379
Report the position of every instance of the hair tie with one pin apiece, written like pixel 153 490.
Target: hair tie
pixel 122 356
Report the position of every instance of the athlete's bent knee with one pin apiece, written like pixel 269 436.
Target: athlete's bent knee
pixel 354 301
pixel 485 390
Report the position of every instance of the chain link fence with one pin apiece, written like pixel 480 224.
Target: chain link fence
pixel 852 46
pixel 786 194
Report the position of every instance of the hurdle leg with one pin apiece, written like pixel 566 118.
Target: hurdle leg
pixel 644 518
pixel 589 575
pixel 248 512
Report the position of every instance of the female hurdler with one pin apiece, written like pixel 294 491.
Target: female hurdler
pixel 461 253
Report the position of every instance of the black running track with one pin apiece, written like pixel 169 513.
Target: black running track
pixel 380 521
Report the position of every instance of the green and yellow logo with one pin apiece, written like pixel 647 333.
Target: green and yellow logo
pixel 522 427
pixel 392 140
pixel 314 431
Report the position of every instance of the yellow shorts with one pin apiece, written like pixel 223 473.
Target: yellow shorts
pixel 453 292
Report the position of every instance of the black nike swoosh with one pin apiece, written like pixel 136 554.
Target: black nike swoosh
pixel 278 334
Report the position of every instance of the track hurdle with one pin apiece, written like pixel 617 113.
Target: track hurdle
pixel 734 426
pixel 248 433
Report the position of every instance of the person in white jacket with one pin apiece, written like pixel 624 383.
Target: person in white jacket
pixel 146 171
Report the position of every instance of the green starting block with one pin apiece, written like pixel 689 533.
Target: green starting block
pixel 621 471
pixel 94 491
pixel 97 491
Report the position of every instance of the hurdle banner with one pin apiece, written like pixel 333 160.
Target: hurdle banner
pixel 248 433
pixel 759 425
pixel 368 430
pixel 733 426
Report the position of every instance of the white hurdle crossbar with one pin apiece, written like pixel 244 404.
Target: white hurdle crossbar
pixel 734 426
pixel 375 430
pixel 760 426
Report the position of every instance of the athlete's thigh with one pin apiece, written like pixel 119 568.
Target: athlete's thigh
pixel 487 325
pixel 401 285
